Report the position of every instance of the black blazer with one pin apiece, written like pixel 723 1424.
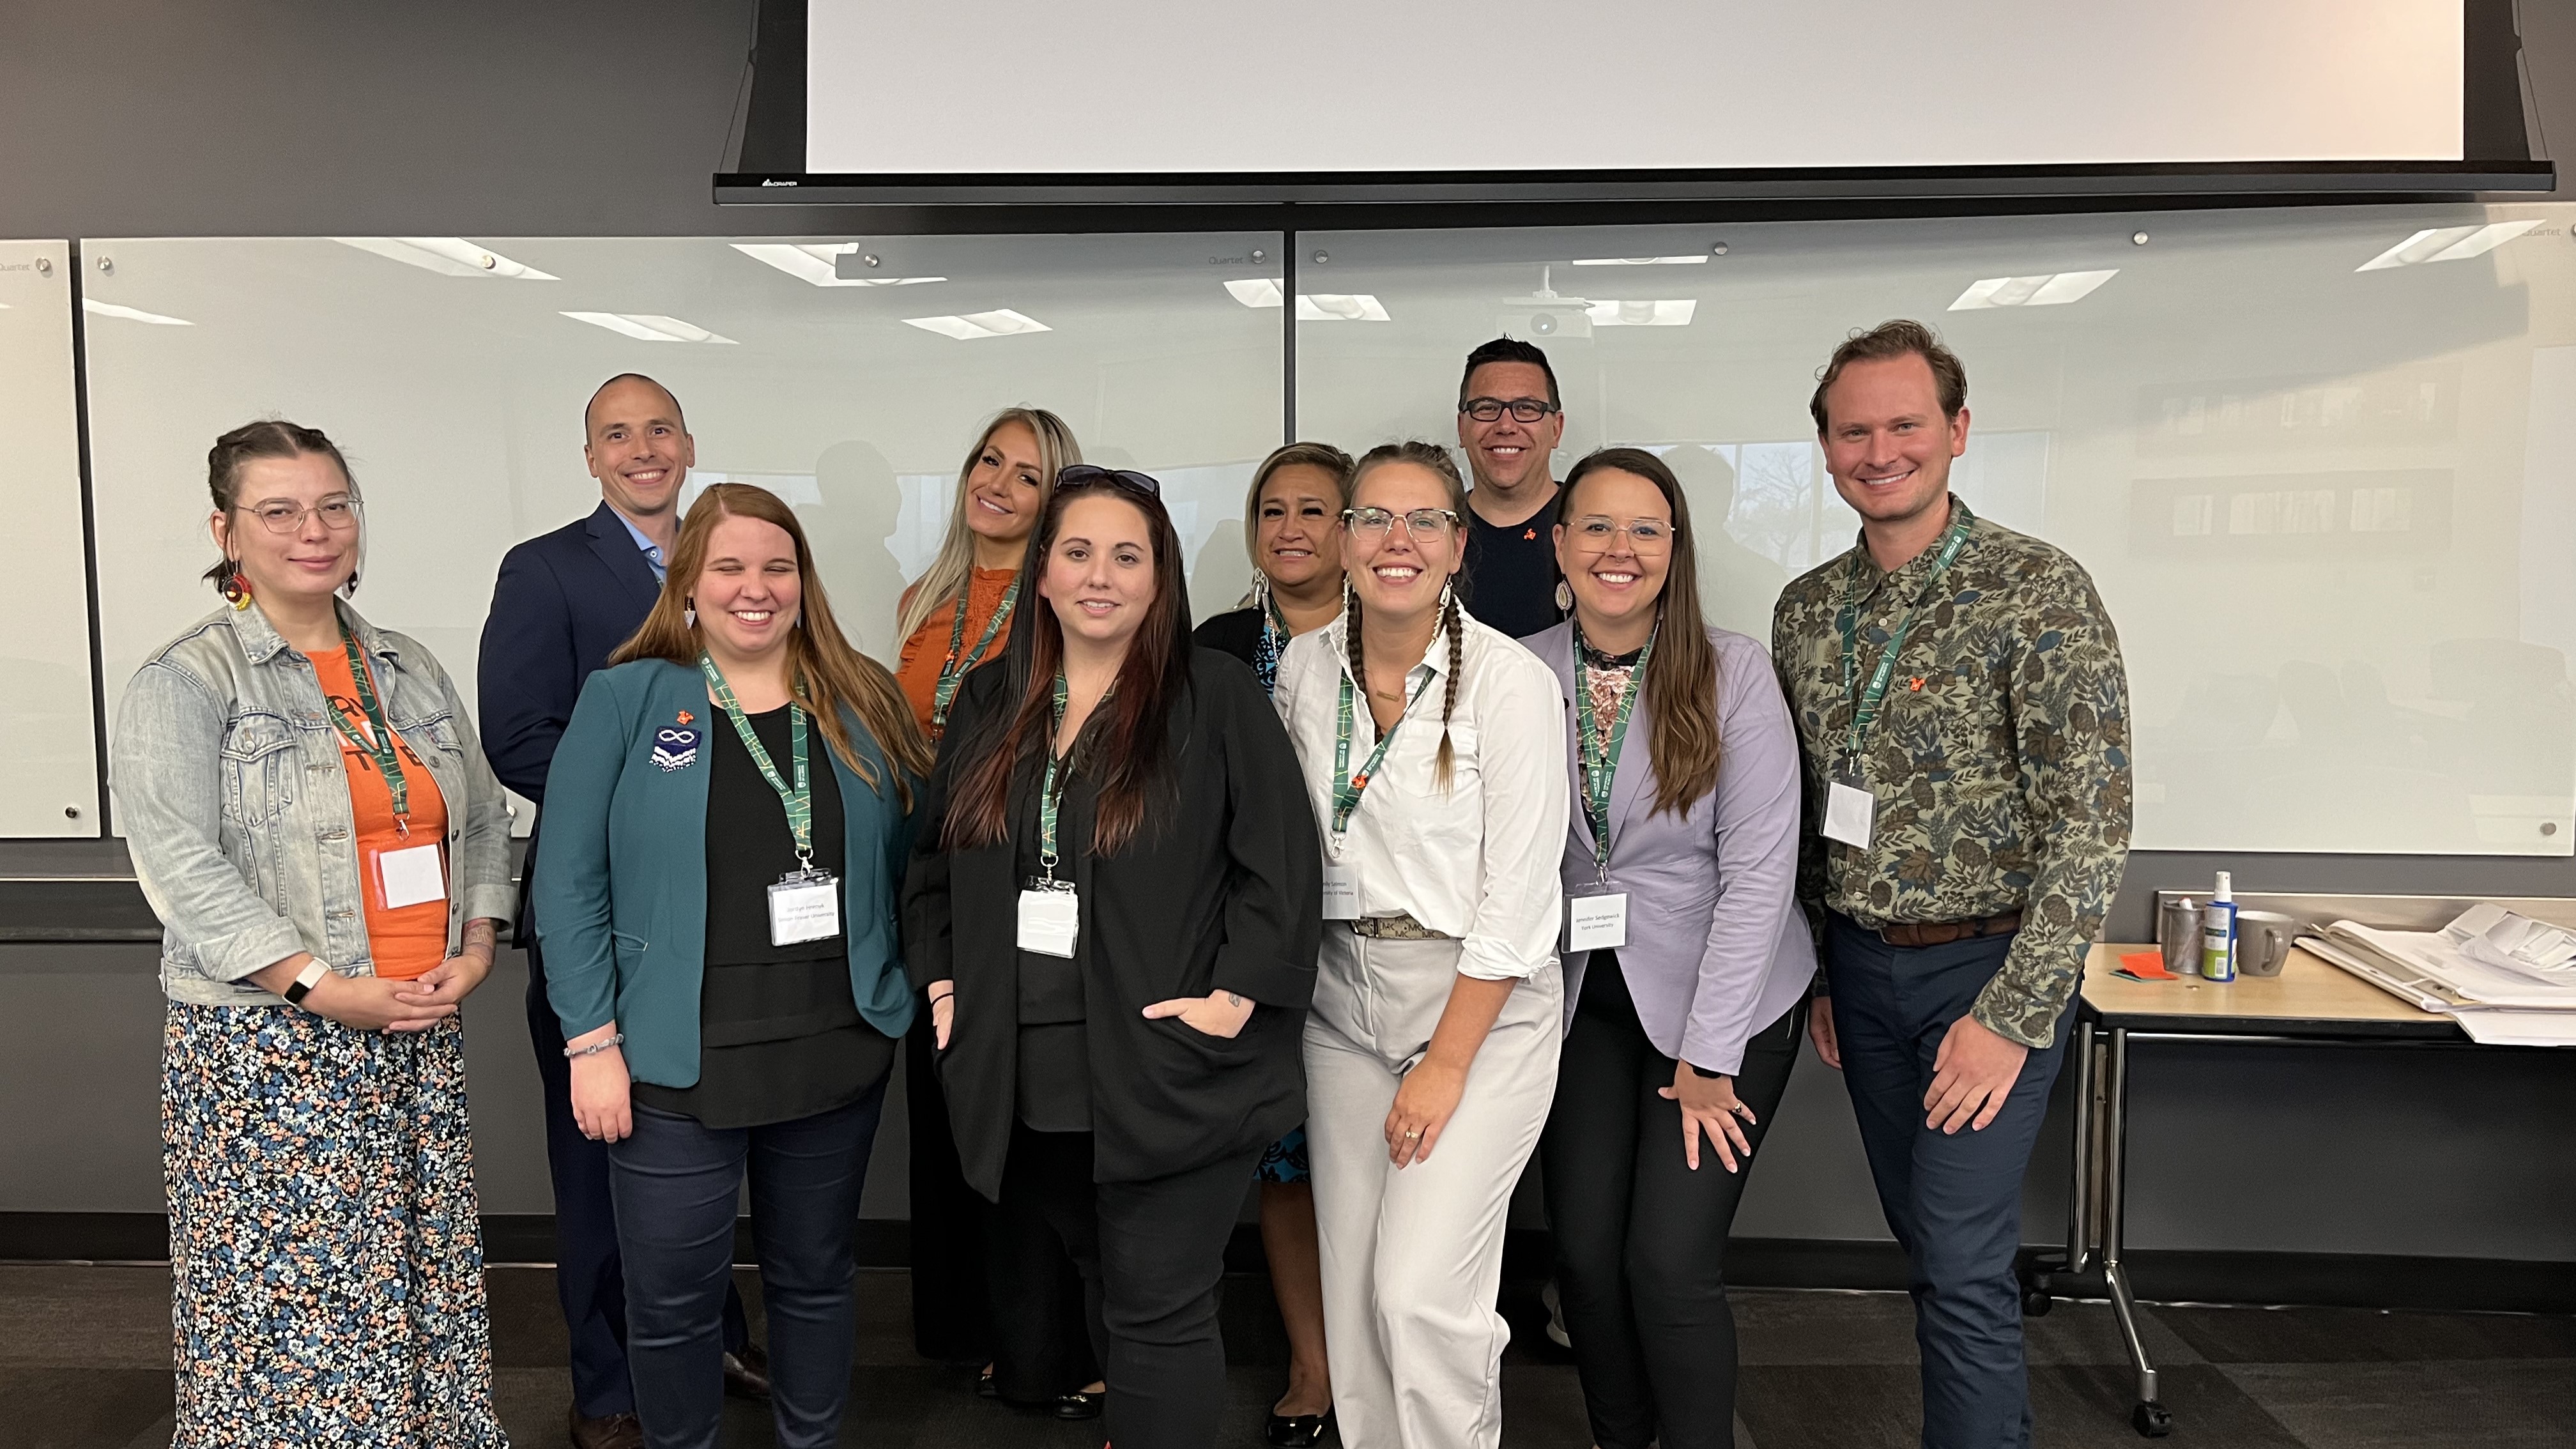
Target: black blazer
pixel 564 601
pixel 1221 890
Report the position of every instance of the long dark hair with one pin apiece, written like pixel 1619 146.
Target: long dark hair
pixel 1681 680
pixel 824 672
pixel 1435 460
pixel 1131 753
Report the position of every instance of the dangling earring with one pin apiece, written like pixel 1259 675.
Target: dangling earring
pixel 689 613
pixel 236 588
pixel 1564 597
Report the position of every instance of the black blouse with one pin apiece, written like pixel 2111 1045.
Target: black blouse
pixel 780 1036
pixel 1054 1079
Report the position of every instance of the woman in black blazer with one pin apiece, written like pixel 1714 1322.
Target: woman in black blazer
pixel 1114 911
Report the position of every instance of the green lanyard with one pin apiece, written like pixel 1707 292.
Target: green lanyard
pixel 1051 793
pixel 798 800
pixel 952 670
pixel 1601 766
pixel 1865 708
pixel 378 740
pixel 1347 786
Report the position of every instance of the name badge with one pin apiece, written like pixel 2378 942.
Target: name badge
pixel 804 905
pixel 1050 919
pixel 1849 810
pixel 1596 923
pixel 413 876
pixel 1341 891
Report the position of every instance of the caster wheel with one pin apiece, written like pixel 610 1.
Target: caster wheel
pixel 2035 1303
pixel 2152 1419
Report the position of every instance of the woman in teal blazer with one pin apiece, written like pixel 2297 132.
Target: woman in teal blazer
pixel 718 922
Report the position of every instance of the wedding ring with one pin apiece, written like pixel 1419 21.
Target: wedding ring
pixel 1416 1132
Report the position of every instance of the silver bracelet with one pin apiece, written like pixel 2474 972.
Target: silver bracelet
pixel 595 1048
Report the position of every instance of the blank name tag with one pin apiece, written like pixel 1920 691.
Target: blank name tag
pixel 804 906
pixel 1849 809
pixel 1341 891
pixel 1596 923
pixel 1049 921
pixel 413 876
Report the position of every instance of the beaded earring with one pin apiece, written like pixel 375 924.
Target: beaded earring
pixel 236 588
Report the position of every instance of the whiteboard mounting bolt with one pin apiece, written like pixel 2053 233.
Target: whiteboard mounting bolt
pixel 2137 238
pixel 1717 249
pixel 1259 255
pixel 71 812
pixel 107 266
pixel 44 266
pixel 870 260
pixel 1322 256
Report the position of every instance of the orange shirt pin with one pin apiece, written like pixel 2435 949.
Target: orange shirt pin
pixel 685 716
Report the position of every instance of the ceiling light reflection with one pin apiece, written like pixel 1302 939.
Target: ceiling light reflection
pixel 449 256
pixel 649 327
pixel 97 308
pixel 974 326
pixel 2447 244
pixel 2048 289
pixel 812 262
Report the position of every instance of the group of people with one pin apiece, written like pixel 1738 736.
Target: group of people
pixel 1463 839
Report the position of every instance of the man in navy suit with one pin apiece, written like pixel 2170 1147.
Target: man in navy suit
pixel 564 601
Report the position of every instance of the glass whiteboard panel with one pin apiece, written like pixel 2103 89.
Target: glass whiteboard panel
pixel 50 784
pixel 2314 460
pixel 457 390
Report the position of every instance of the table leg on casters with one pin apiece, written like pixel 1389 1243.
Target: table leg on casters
pixel 2150 1416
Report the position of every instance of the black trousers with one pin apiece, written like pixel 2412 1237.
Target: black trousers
pixel 952 1317
pixel 589 1281
pixel 1151 1255
pixel 1640 1237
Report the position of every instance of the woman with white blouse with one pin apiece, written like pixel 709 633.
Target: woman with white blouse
pixel 1431 1049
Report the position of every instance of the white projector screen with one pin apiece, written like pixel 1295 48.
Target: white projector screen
pixel 987 87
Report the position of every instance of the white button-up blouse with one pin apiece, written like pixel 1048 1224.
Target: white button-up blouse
pixel 1478 860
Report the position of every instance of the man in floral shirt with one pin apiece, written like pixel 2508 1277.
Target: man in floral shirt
pixel 1964 719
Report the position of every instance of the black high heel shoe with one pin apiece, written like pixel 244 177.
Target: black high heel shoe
pixel 1297 1431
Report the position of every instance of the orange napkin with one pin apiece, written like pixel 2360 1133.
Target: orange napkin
pixel 2145 966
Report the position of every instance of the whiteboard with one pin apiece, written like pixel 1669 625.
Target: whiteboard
pixel 49 781
pixel 1148 86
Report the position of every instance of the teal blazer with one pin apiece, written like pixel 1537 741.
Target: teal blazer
pixel 621 887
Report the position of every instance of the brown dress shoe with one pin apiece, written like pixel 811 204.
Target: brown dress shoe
pixel 747 1373
pixel 608 1431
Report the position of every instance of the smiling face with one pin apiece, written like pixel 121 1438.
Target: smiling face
pixel 638 449
pixel 1615 580
pixel 1298 538
pixel 1099 572
pixel 1506 453
pixel 1006 487
pixel 311 559
pixel 748 590
pixel 1399 576
pixel 1887 443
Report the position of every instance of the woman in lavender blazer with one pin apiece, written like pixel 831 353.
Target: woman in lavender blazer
pixel 1686 959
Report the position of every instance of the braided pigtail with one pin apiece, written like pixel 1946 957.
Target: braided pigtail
pixel 1448 696
pixel 1359 656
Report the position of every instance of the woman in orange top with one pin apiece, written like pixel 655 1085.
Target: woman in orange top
pixel 407 940
pixel 958 614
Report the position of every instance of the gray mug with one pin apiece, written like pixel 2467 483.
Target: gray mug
pixel 2263 941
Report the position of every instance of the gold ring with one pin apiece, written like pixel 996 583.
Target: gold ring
pixel 1416 1132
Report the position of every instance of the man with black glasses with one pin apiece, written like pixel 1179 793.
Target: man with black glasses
pixel 1509 422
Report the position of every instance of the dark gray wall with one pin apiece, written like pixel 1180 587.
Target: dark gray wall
pixel 607 117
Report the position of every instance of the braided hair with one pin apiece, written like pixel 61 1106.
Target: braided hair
pixel 1435 460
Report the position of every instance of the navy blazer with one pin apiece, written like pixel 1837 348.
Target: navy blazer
pixel 1717 947
pixel 563 603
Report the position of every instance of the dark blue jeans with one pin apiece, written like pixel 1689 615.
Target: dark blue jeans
pixel 588 1280
pixel 676 1184
pixel 1952 1199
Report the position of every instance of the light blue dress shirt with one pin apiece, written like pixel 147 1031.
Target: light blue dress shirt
pixel 652 550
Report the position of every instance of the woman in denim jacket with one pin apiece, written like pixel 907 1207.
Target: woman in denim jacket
pixel 314 823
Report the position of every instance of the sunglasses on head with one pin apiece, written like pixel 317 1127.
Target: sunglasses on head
pixel 1080 473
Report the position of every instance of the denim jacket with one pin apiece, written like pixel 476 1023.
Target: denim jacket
pixel 235 805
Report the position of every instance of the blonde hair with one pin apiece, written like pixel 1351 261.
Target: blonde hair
pixel 824 673
pixel 945 579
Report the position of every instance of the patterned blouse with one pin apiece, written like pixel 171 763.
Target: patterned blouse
pixel 1999 760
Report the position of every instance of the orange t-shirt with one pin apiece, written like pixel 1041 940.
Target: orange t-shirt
pixel 917 667
pixel 408 941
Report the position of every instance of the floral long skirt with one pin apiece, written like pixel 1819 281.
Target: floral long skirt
pixel 325 1255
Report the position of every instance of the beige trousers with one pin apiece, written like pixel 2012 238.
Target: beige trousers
pixel 1412 1258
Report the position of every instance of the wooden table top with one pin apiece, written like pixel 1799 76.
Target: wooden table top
pixel 2309 998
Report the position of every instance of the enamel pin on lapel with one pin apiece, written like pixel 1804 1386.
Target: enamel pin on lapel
pixel 676 748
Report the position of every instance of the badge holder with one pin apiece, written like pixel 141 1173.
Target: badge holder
pixel 1341 888
pixel 804 904
pixel 1596 922
pixel 1050 914
pixel 1850 810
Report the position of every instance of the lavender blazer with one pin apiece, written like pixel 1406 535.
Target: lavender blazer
pixel 1717 947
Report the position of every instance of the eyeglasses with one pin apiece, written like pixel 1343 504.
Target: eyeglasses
pixel 339 514
pixel 1522 409
pixel 1076 474
pixel 1595 534
pixel 1373 523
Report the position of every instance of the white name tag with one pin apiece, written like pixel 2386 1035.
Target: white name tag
pixel 413 876
pixel 1849 809
pixel 804 906
pixel 1049 921
pixel 1341 891
pixel 1596 923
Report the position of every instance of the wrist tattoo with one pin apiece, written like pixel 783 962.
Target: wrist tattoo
pixel 1231 999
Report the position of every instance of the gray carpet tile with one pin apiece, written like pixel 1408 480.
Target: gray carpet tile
pixel 2355 1335
pixel 1863 1406
pixel 85 1317
pixel 2492 1404
pixel 76 1408
pixel 1774 1326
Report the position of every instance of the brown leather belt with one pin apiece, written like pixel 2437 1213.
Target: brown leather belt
pixel 1942 933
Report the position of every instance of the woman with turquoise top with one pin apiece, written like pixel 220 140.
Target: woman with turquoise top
pixel 727 822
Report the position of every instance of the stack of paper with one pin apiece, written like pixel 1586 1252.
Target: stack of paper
pixel 2507 979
